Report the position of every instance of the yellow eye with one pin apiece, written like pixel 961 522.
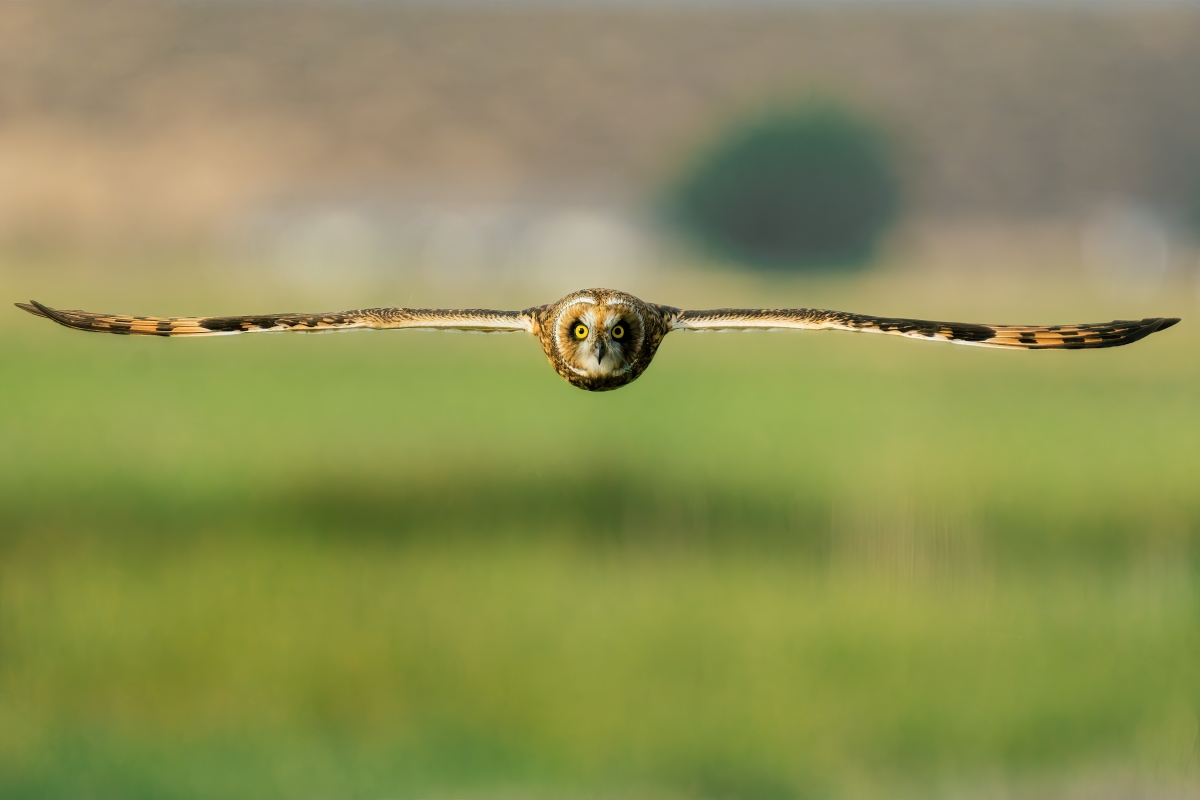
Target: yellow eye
pixel 618 332
pixel 581 331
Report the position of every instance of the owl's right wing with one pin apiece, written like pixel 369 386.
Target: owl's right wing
pixel 464 319
pixel 1021 337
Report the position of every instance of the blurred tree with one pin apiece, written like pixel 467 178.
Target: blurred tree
pixel 800 188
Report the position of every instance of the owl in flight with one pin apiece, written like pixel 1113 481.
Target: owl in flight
pixel 600 339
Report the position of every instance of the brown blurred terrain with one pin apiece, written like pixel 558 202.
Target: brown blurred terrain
pixel 128 120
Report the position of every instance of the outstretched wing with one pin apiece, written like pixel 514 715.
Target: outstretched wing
pixel 1020 337
pixel 464 319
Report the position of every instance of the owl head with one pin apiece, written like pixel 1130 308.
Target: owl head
pixel 599 339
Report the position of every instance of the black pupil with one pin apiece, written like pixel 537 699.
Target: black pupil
pixel 618 331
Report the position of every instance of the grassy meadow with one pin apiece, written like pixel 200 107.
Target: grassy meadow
pixel 408 564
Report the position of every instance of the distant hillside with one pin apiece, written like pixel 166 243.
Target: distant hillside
pixel 172 117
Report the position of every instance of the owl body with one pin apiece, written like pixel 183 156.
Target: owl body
pixel 600 339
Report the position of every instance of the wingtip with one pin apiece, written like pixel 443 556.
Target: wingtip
pixel 1146 327
pixel 33 307
pixel 42 310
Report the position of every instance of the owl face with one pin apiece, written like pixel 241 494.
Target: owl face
pixel 598 339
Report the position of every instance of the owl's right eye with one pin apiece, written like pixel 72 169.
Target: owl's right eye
pixel 581 331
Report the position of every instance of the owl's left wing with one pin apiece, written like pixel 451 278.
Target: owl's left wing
pixel 1020 337
pixel 461 319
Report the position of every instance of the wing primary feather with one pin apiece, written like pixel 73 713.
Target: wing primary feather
pixel 1019 337
pixel 31 308
pixel 469 319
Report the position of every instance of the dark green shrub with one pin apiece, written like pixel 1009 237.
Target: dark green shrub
pixel 807 187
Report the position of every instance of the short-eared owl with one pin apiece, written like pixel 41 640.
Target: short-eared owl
pixel 600 339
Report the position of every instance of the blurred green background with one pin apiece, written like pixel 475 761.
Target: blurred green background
pixel 408 565
pixel 779 565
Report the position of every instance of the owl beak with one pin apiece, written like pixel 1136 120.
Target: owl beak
pixel 601 350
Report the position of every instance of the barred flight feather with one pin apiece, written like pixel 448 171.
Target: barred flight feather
pixel 370 318
pixel 1020 337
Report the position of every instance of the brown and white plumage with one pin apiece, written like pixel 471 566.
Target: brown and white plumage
pixel 1019 337
pixel 463 319
pixel 600 339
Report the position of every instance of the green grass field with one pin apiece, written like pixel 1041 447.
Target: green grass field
pixel 417 565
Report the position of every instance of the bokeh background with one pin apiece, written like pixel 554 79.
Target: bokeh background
pixel 778 566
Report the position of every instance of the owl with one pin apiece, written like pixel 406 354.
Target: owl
pixel 601 339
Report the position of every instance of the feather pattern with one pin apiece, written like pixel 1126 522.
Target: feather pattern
pixel 467 319
pixel 1020 337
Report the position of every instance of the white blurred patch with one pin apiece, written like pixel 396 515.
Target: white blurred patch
pixel 1127 248
pixel 526 245
pixel 586 247
pixel 326 246
pixel 468 244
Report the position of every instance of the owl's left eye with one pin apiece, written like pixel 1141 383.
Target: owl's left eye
pixel 618 331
